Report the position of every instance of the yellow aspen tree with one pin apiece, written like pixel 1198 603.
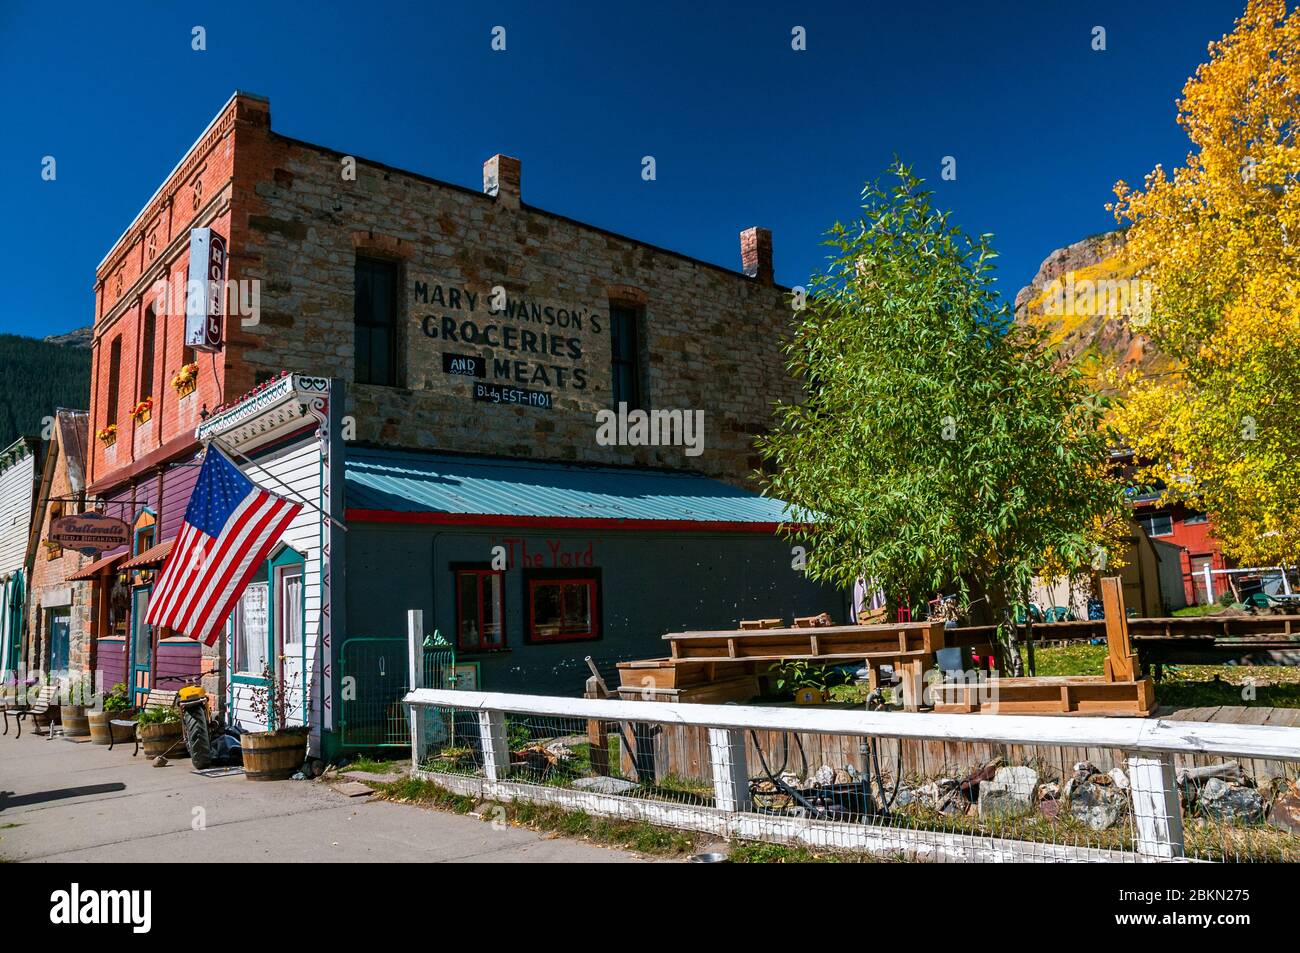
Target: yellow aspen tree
pixel 1219 241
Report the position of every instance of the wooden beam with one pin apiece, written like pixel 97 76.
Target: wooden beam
pixel 1121 662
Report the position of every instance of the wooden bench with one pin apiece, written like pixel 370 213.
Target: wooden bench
pixel 45 699
pixel 157 698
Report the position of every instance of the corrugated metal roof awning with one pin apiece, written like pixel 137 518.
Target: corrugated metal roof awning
pixel 386 484
pixel 151 558
pixel 95 568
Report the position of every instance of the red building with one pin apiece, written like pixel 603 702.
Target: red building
pixel 1181 526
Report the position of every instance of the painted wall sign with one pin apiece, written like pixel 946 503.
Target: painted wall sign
pixel 89 533
pixel 558 554
pixel 466 365
pixel 518 396
pixel 534 343
pixel 205 296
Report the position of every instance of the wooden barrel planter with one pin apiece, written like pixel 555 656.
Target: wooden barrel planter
pixel 164 739
pixel 75 724
pixel 100 726
pixel 273 755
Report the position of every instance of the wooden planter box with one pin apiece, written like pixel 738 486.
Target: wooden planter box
pixel 165 740
pixel 74 721
pixel 273 755
pixel 101 725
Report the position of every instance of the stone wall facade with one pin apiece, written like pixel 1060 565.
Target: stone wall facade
pixel 527 291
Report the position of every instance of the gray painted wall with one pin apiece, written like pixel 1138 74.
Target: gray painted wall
pixel 651 584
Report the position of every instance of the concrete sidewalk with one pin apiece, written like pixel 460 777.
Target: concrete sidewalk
pixel 66 801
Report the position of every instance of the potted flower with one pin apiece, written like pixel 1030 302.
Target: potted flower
pixel 116 706
pixel 160 730
pixel 186 380
pixel 72 709
pixel 279 752
pixel 142 411
pixel 108 435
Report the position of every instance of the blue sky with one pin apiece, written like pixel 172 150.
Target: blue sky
pixel 744 130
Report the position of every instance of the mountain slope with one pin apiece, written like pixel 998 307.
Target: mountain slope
pixel 1090 302
pixel 35 378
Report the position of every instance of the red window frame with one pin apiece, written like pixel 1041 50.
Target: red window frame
pixel 593 596
pixel 481 592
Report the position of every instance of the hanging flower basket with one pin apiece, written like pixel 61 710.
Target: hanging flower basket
pixel 186 380
pixel 142 411
pixel 107 436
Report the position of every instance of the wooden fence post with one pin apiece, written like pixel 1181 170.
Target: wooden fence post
pixel 492 742
pixel 1157 812
pixel 730 774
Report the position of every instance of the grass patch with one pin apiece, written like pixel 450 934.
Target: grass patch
pixel 761 852
pixel 425 794
pixel 1191 612
pixel 639 836
pixel 377 766
pixel 1073 659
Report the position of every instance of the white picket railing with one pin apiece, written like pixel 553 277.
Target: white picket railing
pixel 1151 747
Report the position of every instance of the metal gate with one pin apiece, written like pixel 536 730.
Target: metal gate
pixel 373 679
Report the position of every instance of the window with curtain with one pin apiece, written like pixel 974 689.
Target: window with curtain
pixel 250 618
pixel 291 612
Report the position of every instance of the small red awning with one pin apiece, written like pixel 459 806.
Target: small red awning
pixel 151 558
pixel 95 568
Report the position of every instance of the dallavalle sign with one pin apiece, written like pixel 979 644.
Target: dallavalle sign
pixel 90 533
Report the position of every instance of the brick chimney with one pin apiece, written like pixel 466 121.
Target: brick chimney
pixel 501 179
pixel 756 254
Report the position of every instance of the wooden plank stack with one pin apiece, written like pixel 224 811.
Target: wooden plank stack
pixel 1116 692
pixel 726 665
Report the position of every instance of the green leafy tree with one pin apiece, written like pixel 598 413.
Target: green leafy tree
pixel 938 445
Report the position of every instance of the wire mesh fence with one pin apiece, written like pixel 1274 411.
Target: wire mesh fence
pixel 909 798
pixel 374 677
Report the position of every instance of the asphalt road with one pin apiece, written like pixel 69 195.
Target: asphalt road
pixel 66 801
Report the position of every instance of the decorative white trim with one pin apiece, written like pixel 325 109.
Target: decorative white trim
pixel 271 412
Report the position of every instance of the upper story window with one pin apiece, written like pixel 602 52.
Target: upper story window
pixel 375 315
pixel 1193 518
pixel 625 348
pixel 114 380
pixel 147 336
pixel 1158 524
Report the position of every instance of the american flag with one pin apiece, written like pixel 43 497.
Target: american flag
pixel 230 526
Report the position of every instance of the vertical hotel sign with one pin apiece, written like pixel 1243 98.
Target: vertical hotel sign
pixel 205 297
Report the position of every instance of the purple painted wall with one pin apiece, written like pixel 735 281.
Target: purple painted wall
pixel 178 483
pixel 110 659
pixel 177 663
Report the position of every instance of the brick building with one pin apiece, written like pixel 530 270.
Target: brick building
pixel 61 608
pixel 452 321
